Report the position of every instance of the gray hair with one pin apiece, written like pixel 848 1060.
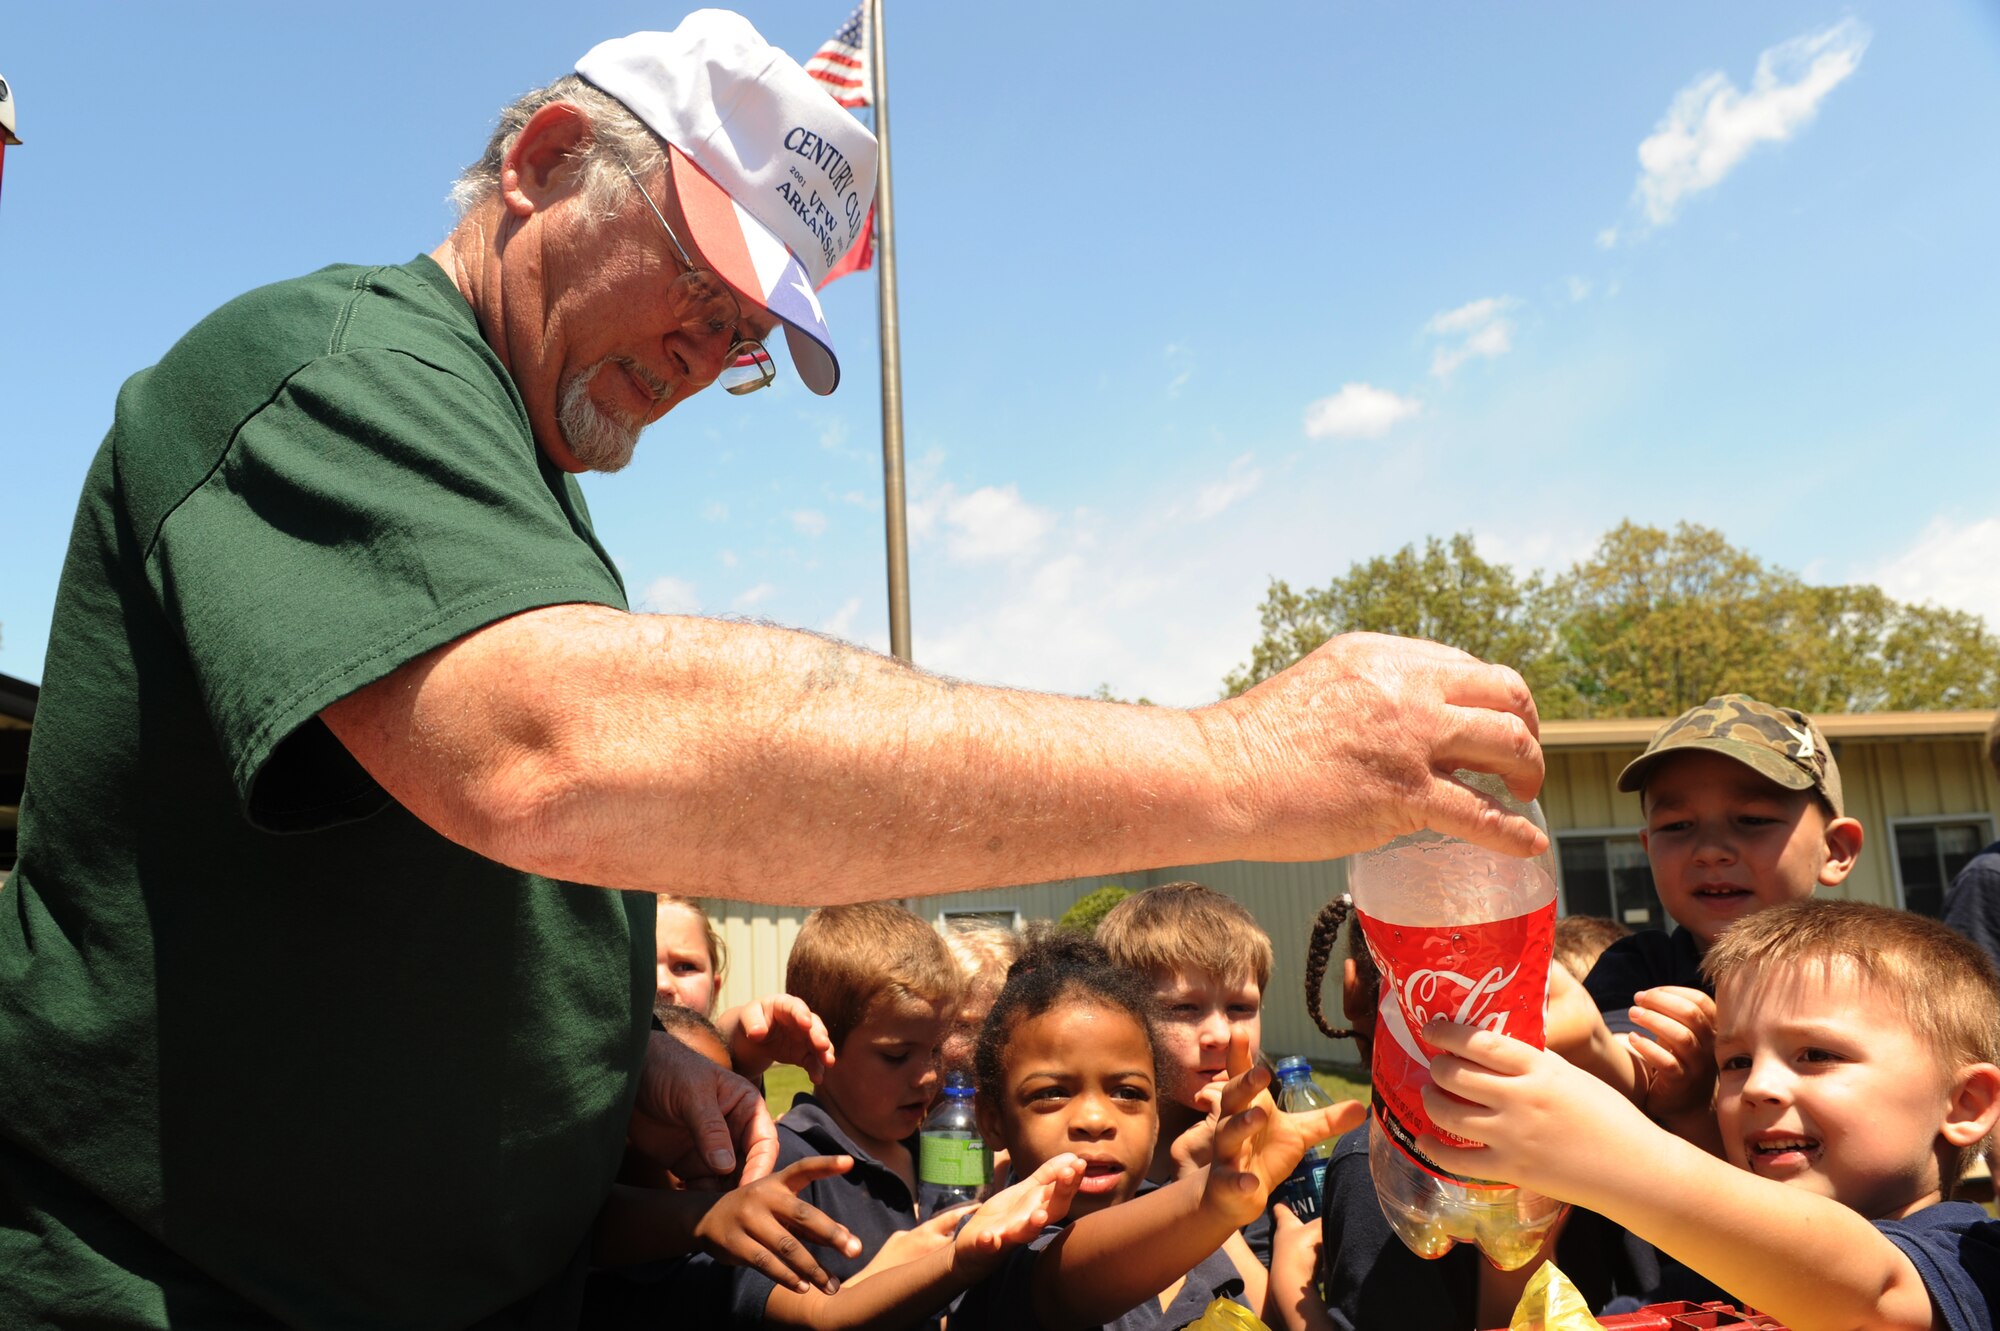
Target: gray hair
pixel 617 137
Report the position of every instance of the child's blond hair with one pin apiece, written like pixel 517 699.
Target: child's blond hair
pixel 1945 985
pixel 1186 926
pixel 848 957
pixel 983 951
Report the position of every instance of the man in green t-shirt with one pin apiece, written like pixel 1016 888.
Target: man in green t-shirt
pixel 314 1008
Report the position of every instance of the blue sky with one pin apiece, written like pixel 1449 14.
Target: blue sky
pixel 1185 307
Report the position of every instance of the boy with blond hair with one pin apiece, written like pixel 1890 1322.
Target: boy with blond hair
pixel 1208 961
pixel 886 987
pixel 1857 1049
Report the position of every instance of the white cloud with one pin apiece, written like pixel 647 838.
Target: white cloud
pixel 670 596
pixel 727 558
pixel 992 522
pixel 1579 289
pixel 763 591
pixel 1607 239
pixel 809 522
pixel 1243 479
pixel 715 511
pixel 1358 411
pixel 1478 328
pixel 1950 564
pixel 1711 125
pixel 840 623
pixel 833 438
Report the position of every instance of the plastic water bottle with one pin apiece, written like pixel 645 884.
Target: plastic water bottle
pixel 953 1163
pixel 1465 933
pixel 1296 1090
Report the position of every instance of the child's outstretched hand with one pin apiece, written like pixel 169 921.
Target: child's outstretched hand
pixel 760 1225
pixel 1017 1213
pixel 1256 1144
pixel 1544 1124
pixel 778 1029
pixel 1293 1301
pixel 1676 1068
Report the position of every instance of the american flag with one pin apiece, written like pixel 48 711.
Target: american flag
pixel 842 62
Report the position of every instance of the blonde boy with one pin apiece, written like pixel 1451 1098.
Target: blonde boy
pixel 1208 960
pixel 885 986
pixel 1858 1049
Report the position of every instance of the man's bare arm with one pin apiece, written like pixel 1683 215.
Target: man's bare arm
pixel 648 752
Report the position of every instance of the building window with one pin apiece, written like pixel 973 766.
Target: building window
pixel 1929 852
pixel 960 919
pixel 1606 873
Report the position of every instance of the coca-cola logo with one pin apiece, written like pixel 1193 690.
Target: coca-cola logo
pixel 1425 994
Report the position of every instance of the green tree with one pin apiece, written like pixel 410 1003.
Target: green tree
pixel 1651 623
pixel 1444 592
pixel 1093 907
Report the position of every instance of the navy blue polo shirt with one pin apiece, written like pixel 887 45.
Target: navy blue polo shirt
pixel 1955 1247
pixel 1645 960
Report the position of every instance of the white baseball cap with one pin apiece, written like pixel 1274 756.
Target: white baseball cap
pixel 774 177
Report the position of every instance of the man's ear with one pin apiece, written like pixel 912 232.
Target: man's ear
pixel 1974 1106
pixel 1843 849
pixel 540 166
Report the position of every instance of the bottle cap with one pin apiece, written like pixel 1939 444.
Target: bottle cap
pixel 1293 1066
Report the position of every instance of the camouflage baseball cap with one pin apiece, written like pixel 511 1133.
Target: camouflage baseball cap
pixel 1775 742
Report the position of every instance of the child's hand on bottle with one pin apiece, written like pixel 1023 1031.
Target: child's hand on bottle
pixel 1257 1145
pixel 1016 1214
pixel 1675 1070
pixel 1541 1123
pixel 760 1225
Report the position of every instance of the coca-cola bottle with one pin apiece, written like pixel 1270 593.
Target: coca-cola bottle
pixel 1465 933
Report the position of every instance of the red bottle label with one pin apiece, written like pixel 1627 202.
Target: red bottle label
pixel 1492 975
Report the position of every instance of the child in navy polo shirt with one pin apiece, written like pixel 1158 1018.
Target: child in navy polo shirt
pixel 1856 1049
pixel 886 987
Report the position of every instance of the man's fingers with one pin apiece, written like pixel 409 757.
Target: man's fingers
pixel 759 1136
pixel 1493 688
pixel 1496 742
pixel 1457 810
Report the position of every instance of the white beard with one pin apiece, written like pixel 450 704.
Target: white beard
pixel 600 440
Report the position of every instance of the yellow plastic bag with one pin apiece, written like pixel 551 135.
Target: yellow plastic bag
pixel 1551 1303
pixel 1222 1315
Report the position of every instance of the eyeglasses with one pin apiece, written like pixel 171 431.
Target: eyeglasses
pixel 747 367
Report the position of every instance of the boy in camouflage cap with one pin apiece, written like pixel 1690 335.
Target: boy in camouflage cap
pixel 1743 812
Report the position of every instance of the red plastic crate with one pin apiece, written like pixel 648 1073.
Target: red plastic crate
pixel 1675 1316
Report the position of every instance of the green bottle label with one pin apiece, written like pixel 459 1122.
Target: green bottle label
pixel 953 1162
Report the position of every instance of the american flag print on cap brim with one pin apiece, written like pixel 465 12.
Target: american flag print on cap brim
pixel 745 254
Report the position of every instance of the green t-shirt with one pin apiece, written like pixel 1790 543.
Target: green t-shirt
pixel 270 1048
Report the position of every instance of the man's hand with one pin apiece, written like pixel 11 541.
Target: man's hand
pixel 1257 1145
pixel 778 1029
pixel 1357 743
pixel 700 1121
pixel 759 1225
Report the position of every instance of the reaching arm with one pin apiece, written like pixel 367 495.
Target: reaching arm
pixel 896 1296
pixel 1807 1260
pixel 649 751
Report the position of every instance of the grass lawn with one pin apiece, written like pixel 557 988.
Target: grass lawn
pixel 781 1083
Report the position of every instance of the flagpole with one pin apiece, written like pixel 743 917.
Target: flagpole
pixel 894 519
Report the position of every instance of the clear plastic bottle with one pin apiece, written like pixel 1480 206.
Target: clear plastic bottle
pixel 1466 933
pixel 953 1163
pixel 1296 1090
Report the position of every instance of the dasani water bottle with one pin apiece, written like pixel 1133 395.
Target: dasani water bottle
pixel 1296 1090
